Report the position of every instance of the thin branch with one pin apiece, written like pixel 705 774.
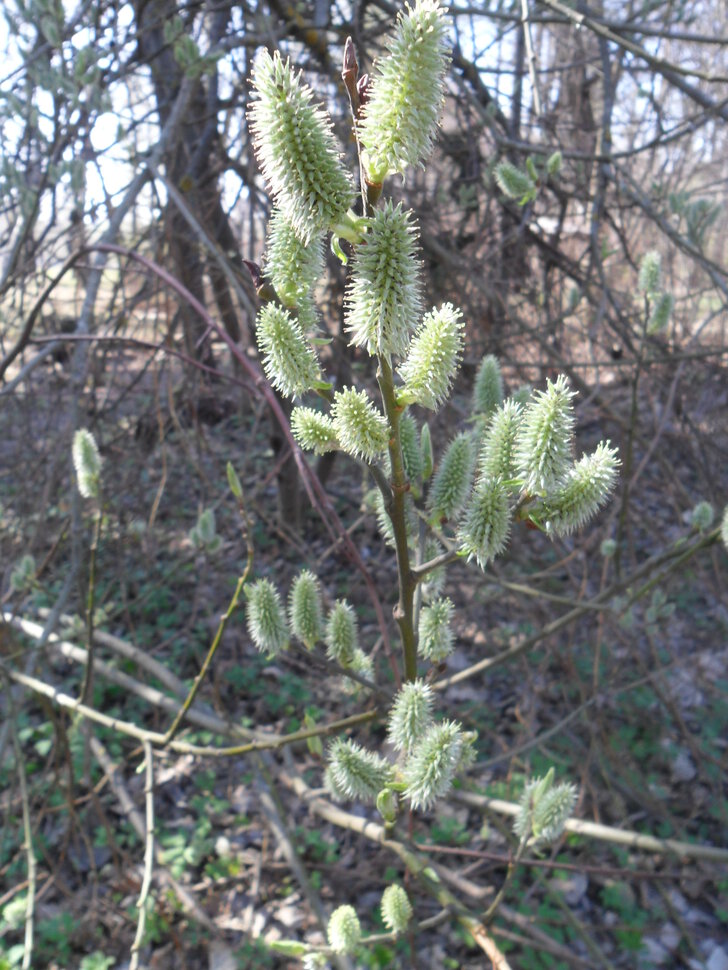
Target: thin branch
pixel 148 855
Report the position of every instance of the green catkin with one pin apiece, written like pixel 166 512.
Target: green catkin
pixel 483 533
pixel 304 609
pixel 86 463
pixel 433 358
pixel 411 454
pixel 344 931
pixel 384 294
pixel 362 430
pixel 410 716
pixel 513 182
pixel 406 93
pixel 296 149
pixel 313 430
pixel 435 641
pixel 431 767
pixel 357 773
pixel 266 620
pixel 488 386
pixel 650 275
pixel 396 909
pixel 497 449
pixel 543 445
pixel 453 479
pixel 292 266
pixel 342 635
pixel 586 488
pixel 288 358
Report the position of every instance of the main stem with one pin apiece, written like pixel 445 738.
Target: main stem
pixel 404 610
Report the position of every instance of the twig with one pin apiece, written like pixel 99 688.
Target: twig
pixel 531 57
pixel 88 680
pixel 232 606
pixel 188 902
pixel 27 832
pixel 148 855
pixel 605 833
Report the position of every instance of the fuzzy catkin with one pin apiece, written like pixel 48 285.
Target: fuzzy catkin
pixel 406 93
pixel 288 358
pixel 296 149
pixel 433 358
pixel 384 295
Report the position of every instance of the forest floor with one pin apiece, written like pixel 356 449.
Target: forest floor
pixel 629 699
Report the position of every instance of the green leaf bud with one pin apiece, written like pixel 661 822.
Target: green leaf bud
pixel 86 463
pixel 661 313
pixel 342 635
pixel 358 773
pixel 313 430
pixel 587 487
pixel 396 908
pixel 344 931
pixel 544 809
pixel 288 359
pixel 289 948
pixel 431 767
pixel 553 164
pixel 292 266
pixel 488 387
pixel 410 716
pixel 388 805
pixel 650 275
pixel 384 295
pixel 484 530
pixel 496 454
pixel 304 609
pixel 362 430
pixel 266 620
pixel 22 577
pixel 406 93
pixel 514 183
pixel 702 516
pixel 428 461
pixel 433 358
pixel 411 454
pixel 544 440
pixel 454 477
pixel 234 481
pixel 296 149
pixel 435 636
